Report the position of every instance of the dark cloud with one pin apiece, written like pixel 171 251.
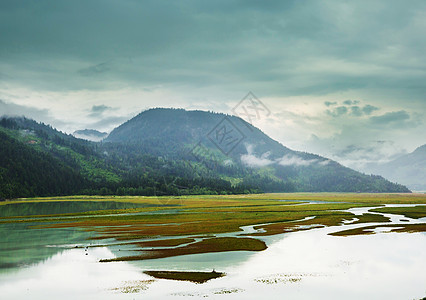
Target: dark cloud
pixel 351 102
pixel 338 111
pixel 350 107
pixel 356 111
pixel 368 109
pixel 328 103
pixel 98 110
pixel 278 48
pixel 391 118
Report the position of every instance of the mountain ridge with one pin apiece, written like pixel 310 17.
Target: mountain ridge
pixel 409 169
pixel 179 152
pixel 184 129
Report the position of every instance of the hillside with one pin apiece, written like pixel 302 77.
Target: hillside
pixel 167 152
pixel 227 143
pixel 409 169
pixel 26 172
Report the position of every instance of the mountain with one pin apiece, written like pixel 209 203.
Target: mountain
pixel 166 152
pixel 225 142
pixel 38 160
pixel 409 169
pixel 90 135
pixel 25 172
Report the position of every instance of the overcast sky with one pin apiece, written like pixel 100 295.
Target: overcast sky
pixel 345 79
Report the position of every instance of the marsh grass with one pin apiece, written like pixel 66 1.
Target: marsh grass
pixel 414 212
pixel 196 277
pixel 211 245
pixel 409 228
pixel 210 215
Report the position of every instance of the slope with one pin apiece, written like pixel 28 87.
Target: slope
pixel 409 169
pixel 227 147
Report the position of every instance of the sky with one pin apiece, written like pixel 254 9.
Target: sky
pixel 343 79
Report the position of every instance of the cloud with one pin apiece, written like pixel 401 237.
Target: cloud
pixel 329 103
pixel 289 160
pixel 95 69
pixel 252 160
pixel 98 110
pixel 391 118
pixel 350 107
pixel 40 115
pixel 356 111
pixel 338 111
pixel 351 102
pixel 283 48
pixel 109 122
pixel 368 109
pixel 12 109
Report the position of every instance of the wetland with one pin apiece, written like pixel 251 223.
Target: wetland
pixel 238 246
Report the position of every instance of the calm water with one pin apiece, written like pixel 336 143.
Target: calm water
pixel 301 265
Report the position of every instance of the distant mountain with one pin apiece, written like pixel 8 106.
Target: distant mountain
pixel 90 135
pixel 409 169
pixel 166 152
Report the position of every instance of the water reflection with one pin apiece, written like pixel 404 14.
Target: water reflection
pixel 299 265
pixel 21 246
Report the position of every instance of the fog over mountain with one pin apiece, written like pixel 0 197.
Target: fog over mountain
pixel 90 135
pixel 409 169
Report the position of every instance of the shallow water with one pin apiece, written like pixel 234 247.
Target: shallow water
pixel 300 265
pixel 62 207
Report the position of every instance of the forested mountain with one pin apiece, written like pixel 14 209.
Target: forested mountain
pixel 240 151
pixel 166 152
pixel 409 169
pixel 26 172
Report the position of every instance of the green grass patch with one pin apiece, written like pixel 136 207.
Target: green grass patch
pixel 196 277
pixel 408 228
pixel 213 245
pixel 415 212
pixel 371 218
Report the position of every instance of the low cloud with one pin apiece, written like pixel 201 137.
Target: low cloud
pixel 109 123
pixel 251 160
pixel 291 160
pixel 12 109
pixel 39 115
